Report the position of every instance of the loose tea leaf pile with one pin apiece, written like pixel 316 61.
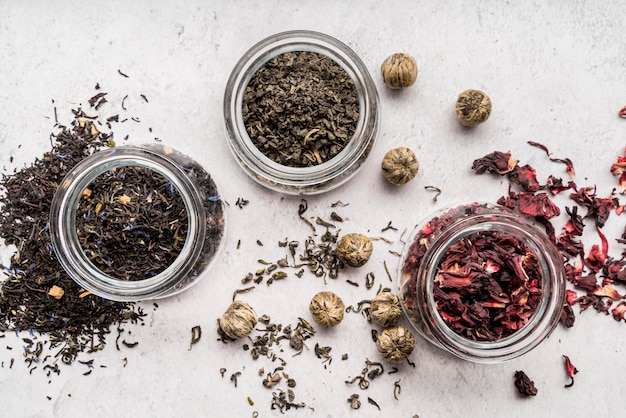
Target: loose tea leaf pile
pixel 132 223
pixel 300 109
pixel 74 320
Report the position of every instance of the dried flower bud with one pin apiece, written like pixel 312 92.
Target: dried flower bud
pixel 239 320
pixel 327 309
pixel 399 70
pixel 400 165
pixel 395 343
pixel 473 107
pixel 385 309
pixel 354 249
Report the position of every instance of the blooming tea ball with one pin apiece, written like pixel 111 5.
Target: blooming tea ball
pixel 400 165
pixel 239 320
pixel 327 309
pixel 354 249
pixel 385 309
pixel 395 343
pixel 473 107
pixel 399 70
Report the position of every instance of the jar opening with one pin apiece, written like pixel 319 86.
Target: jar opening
pixel 341 165
pixel 131 222
pixel 300 108
pixel 482 282
pixel 188 224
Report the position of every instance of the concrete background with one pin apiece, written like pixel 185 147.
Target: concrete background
pixel 556 73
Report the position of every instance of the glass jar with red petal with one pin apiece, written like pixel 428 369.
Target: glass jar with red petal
pixel 482 282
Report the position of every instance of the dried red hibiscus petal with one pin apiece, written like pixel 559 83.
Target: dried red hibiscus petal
pixel 619 169
pixel 571 297
pixel 597 208
pixel 569 166
pixel 487 286
pixel 538 205
pixel 567 316
pixel 524 385
pixel 524 176
pixel 497 162
pixel 556 186
pixel 598 255
pixel 571 371
pixel 619 311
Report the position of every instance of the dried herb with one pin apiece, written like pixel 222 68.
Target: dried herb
pixel 239 320
pixel 354 249
pixel 400 165
pixel 327 309
pixel 72 323
pixel 196 334
pixel 473 107
pixel 385 309
pixel 524 385
pixel 437 191
pixel 131 222
pixel 300 109
pixel 395 344
pixel 399 70
pixel 354 401
pixel 396 389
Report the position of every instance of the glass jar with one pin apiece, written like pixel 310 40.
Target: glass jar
pixel 203 207
pixel 301 180
pixel 428 246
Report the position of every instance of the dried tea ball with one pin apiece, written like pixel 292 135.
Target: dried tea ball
pixel 395 343
pixel 399 70
pixel 473 107
pixel 327 309
pixel 239 320
pixel 400 165
pixel 385 309
pixel 354 249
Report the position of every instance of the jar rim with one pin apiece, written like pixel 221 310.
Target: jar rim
pixel 69 251
pixel 541 323
pixel 300 180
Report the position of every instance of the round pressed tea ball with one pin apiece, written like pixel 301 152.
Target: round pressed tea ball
pixel 354 249
pixel 473 107
pixel 239 320
pixel 399 70
pixel 400 165
pixel 395 344
pixel 327 309
pixel 385 309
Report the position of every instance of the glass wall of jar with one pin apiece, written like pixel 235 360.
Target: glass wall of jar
pixel 447 289
pixel 201 237
pixel 325 175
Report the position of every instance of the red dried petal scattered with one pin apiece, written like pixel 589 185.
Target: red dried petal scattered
pixel 619 311
pixel 524 176
pixel 571 297
pixel 556 186
pixel 537 205
pixel 497 162
pixel 571 370
pixel 619 169
pixel 569 166
pixel 608 291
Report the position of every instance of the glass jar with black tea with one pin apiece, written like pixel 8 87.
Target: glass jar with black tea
pixel 137 222
pixel 482 282
pixel 301 112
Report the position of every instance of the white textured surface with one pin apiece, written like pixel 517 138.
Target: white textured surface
pixel 556 74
